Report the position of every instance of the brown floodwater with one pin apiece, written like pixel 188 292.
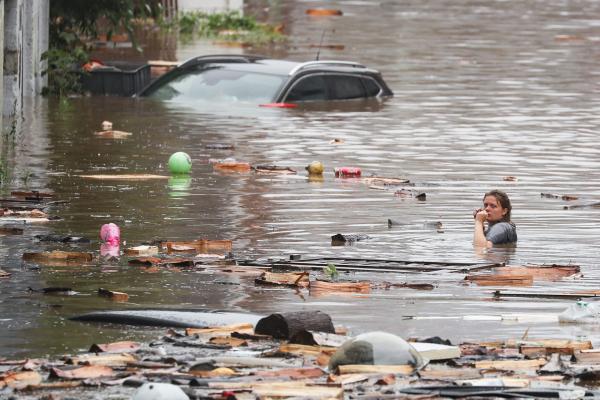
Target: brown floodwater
pixel 483 90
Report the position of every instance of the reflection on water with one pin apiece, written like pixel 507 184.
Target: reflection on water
pixel 481 92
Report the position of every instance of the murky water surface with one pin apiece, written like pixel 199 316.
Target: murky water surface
pixel 483 90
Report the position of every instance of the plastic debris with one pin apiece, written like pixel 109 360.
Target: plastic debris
pixel 110 233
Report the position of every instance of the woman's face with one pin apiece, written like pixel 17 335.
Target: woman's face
pixel 493 208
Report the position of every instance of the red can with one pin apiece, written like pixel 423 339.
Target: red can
pixel 347 172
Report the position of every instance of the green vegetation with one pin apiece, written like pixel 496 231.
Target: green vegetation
pixel 228 26
pixel 74 24
pixel 331 271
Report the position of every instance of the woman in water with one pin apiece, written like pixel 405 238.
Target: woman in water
pixel 496 212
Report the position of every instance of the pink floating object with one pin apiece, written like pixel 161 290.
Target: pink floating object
pixel 109 250
pixel 111 234
pixel 349 172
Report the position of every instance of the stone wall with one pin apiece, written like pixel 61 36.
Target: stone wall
pixel 25 30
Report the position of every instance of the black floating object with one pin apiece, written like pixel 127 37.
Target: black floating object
pixel 62 238
pixel 287 325
pixel 219 146
pixel 340 240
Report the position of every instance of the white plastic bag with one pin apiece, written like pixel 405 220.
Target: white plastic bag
pixel 581 313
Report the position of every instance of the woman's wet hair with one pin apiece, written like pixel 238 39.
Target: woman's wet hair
pixel 504 201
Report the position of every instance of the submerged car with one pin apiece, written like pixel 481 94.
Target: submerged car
pixel 264 81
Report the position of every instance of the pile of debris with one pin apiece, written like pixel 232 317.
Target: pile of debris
pixel 284 356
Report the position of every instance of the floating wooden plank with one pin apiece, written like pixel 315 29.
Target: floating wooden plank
pixel 582 205
pixel 566 197
pixel 324 12
pixel 232 166
pixel 450 373
pixel 116 296
pixel 289 279
pixel 111 360
pixel 587 356
pixel 540 295
pixel 551 343
pixel 287 325
pixel 273 170
pixel 312 338
pixel 372 265
pixel 57 255
pixel 143 250
pixel 500 279
pixel 221 330
pixel 53 386
pixel 200 246
pixel 379 369
pixel 4 274
pixel 511 365
pixel 306 350
pixel 87 372
pixel 292 373
pixel 115 347
pixel 297 389
pixel 125 177
pixel 20 379
pixel 32 194
pixel 541 272
pixel 228 341
pixel 354 287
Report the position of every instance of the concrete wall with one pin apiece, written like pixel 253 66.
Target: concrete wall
pixel 1 61
pixel 25 39
pixel 210 5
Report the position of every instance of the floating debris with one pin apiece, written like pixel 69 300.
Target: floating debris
pixel 57 255
pixel 340 240
pixel 324 12
pixel 116 296
pixel 125 177
pixel 273 170
pixel 566 197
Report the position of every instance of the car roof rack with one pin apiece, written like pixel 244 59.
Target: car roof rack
pixel 240 58
pixel 325 63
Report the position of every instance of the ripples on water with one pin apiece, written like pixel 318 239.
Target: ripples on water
pixel 482 91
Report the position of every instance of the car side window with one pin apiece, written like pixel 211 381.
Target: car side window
pixel 309 88
pixel 371 87
pixel 345 87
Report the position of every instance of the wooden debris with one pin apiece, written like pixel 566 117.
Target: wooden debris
pixel 404 193
pixel 111 360
pixel 10 231
pixel 587 356
pixel 540 272
pixel 273 170
pixel 336 141
pixel 328 46
pixel 142 251
pixel 434 351
pixel 487 279
pixel 221 330
pixel 450 373
pixel 510 365
pixel 228 341
pixel 124 177
pixel 20 379
pixel 57 255
pixel 200 246
pixel 115 296
pixel 232 166
pixel 290 279
pixel 510 178
pixel 354 287
pixel 286 325
pixel 291 373
pixel 564 346
pixel 301 349
pixel 324 12
pixel 115 347
pixel 379 369
pixel 147 261
pixel 87 372
pixel 4 274
pixel 53 386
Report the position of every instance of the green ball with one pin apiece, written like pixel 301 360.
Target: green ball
pixel 180 163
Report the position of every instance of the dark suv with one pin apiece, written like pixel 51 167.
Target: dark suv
pixel 259 80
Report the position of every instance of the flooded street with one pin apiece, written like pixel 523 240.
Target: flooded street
pixel 483 90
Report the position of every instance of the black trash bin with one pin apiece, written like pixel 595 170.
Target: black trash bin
pixel 117 78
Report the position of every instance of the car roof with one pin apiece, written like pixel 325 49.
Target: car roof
pixel 275 66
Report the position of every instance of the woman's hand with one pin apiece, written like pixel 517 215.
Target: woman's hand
pixel 481 216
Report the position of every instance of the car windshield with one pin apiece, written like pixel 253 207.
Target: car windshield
pixel 220 84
